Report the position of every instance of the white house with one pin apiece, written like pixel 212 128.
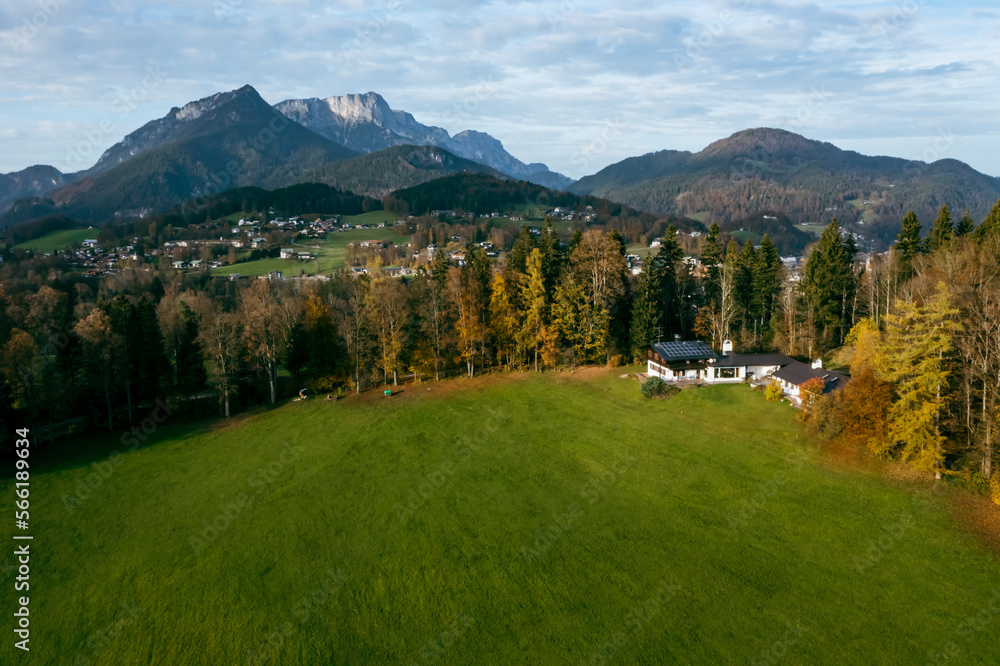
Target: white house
pixel 696 361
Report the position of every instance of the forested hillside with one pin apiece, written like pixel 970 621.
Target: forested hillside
pixel 761 170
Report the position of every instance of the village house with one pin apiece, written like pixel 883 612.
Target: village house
pixel 696 361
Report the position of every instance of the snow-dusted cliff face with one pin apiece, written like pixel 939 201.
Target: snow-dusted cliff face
pixel 365 122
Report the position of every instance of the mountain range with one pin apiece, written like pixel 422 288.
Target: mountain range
pixel 767 170
pixel 358 143
pixel 365 123
pixel 236 139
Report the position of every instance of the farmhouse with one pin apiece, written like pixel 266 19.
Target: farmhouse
pixel 696 361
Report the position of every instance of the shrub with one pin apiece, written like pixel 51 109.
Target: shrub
pixel 773 392
pixel 995 488
pixel 654 387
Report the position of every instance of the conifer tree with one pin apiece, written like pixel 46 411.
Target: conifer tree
pixel 743 282
pixel 646 311
pixel 767 278
pixel 943 229
pixel 825 285
pixel 519 252
pixel 908 244
pixel 711 258
pixel 991 224
pixel 665 266
pixel 966 225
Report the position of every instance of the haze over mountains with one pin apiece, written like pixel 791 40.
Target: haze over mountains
pixel 359 143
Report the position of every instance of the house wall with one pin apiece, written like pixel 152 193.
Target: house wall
pixel 710 375
pixel 654 369
pixel 760 371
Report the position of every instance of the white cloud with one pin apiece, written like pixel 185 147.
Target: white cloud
pixel 663 74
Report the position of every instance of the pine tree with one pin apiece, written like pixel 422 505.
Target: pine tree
pixel 965 225
pixel 767 277
pixel 552 258
pixel 711 258
pixel 519 253
pixel 942 231
pixel 151 360
pixel 991 224
pixel 908 244
pixel 666 264
pixel 825 285
pixel 646 311
pixel 744 283
pixel 919 342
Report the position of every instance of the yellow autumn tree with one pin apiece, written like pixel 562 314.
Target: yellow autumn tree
pixel 918 346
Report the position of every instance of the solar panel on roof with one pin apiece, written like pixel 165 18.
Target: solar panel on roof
pixel 684 350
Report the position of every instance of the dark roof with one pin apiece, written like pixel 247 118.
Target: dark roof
pixel 688 350
pixel 798 373
pixel 741 360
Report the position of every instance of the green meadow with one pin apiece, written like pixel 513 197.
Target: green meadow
pixel 58 240
pixel 330 251
pixel 509 519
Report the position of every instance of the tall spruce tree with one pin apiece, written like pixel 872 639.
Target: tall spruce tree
pixel 711 259
pixel 825 284
pixel 743 284
pixel 943 229
pixel 991 224
pixel 966 225
pixel 646 311
pixel 909 244
pixel 767 278
pixel 665 266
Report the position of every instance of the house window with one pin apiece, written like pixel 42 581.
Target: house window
pixel 649 353
pixel 726 373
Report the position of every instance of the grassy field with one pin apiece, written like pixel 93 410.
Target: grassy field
pixel 58 240
pixel 505 520
pixel 373 217
pixel 743 236
pixel 330 254
pixel 814 229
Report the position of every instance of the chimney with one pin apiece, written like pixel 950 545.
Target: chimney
pixel 677 337
pixel 727 347
pixel 818 364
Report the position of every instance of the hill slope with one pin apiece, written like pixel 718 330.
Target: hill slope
pixel 378 174
pixel 31 182
pixel 526 519
pixel 762 170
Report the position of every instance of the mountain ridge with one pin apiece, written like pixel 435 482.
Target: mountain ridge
pixel 365 122
pixel 768 169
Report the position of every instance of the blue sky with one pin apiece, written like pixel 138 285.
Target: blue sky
pixel 572 83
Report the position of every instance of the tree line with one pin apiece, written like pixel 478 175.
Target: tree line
pixel 923 344
pixel 100 349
